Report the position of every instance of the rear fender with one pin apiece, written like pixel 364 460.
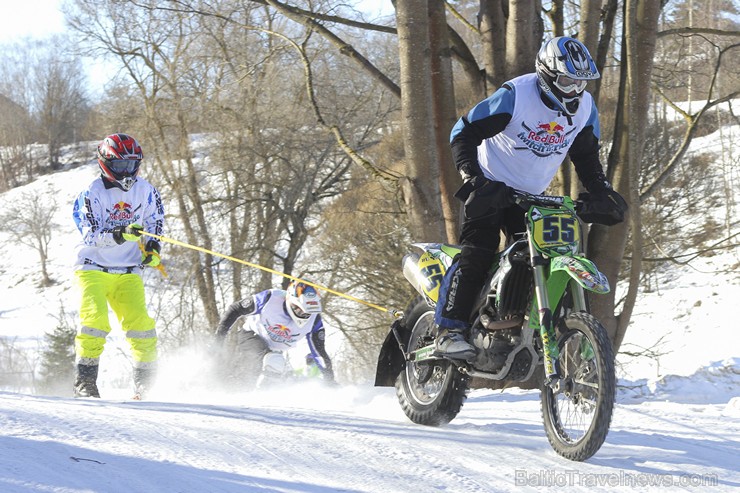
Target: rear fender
pixel 391 360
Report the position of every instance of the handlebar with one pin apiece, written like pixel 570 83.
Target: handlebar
pixel 526 199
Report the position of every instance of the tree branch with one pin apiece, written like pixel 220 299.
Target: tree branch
pixel 693 123
pixel 457 15
pixel 680 31
pixel 308 19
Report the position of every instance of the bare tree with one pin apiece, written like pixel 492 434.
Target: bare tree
pixel 15 137
pixel 17 365
pixel 17 129
pixel 60 105
pixel 608 244
pixel 29 222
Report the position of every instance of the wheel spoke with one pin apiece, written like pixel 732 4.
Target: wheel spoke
pixel 578 414
pixel 574 409
pixel 432 391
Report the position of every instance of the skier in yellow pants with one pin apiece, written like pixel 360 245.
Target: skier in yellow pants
pixel 111 214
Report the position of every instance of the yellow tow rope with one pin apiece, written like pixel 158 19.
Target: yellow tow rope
pixel 267 269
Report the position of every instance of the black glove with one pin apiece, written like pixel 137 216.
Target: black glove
pixel 150 256
pixel 483 196
pixel 604 207
pixel 122 234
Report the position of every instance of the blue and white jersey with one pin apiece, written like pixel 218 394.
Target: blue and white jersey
pixel 272 322
pixel 99 209
pixel 513 137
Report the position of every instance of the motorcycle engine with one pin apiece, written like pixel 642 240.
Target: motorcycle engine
pixel 495 346
pixel 499 329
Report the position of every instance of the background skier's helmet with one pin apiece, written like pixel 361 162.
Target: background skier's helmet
pixel 119 157
pixel 563 66
pixel 302 301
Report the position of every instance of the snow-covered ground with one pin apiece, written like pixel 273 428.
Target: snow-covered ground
pixel 676 426
pixel 352 439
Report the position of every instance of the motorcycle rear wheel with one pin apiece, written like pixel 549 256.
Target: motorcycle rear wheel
pixel 578 414
pixel 432 392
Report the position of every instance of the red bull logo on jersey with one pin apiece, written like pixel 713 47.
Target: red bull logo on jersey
pixel 552 128
pixel 544 138
pixel 548 133
pixel 279 333
pixel 121 213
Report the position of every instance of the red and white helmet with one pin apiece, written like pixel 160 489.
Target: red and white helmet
pixel 119 157
pixel 302 301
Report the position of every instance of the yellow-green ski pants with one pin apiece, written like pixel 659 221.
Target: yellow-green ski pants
pixel 125 295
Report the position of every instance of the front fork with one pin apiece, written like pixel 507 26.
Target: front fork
pixel 548 291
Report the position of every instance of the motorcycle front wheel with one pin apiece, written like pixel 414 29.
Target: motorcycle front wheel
pixel 430 392
pixel 578 412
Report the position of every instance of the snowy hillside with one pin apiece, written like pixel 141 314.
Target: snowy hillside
pixel 676 425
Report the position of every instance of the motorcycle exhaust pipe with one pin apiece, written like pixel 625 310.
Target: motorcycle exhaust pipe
pixel 411 272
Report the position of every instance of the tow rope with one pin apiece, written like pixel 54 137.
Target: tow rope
pixel 159 267
pixel 395 313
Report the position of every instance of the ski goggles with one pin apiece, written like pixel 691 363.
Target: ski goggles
pixel 298 311
pixel 569 84
pixel 123 166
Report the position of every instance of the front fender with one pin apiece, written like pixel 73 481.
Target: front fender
pixel 583 271
pixel 391 360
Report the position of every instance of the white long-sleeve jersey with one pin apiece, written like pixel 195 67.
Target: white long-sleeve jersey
pixel 102 207
pixel 267 315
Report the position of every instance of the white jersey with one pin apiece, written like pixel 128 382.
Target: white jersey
pixel 99 209
pixel 526 155
pixel 271 321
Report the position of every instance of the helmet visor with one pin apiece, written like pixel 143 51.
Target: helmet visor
pixel 569 85
pixel 123 167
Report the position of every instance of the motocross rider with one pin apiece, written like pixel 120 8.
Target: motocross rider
pixel 517 139
pixel 276 321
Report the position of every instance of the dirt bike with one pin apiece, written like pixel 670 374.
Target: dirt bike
pixel 531 321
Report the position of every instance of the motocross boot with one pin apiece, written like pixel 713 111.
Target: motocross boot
pixel 452 344
pixel 85 384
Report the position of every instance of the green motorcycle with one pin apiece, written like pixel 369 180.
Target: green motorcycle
pixel 531 322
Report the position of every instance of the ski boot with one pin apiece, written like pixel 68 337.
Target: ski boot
pixel 143 380
pixel 85 381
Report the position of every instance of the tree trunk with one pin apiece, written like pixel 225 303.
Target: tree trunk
pixel 588 28
pixel 523 35
pixel 421 185
pixel 608 15
pixel 492 27
pixel 443 100
pixel 608 244
pixel 556 15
